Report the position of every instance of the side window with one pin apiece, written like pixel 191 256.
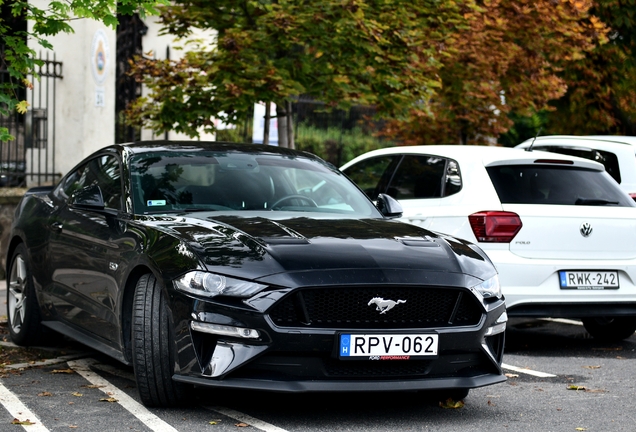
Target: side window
pixel 103 171
pixel 74 182
pixel 418 177
pixel 107 176
pixel 372 175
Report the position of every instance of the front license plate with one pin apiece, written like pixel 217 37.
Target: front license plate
pixel 588 280
pixel 388 346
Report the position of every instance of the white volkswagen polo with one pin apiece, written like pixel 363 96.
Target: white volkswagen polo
pixel 559 229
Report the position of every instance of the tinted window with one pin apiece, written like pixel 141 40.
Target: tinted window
pixel 418 177
pixel 103 171
pixel 372 175
pixel 532 184
pixel 172 182
pixel 608 159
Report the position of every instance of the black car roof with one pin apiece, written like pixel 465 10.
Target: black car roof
pixel 176 146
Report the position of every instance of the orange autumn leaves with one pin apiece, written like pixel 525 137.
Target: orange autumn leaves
pixel 508 59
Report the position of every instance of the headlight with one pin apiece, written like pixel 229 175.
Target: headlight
pixel 210 285
pixel 489 288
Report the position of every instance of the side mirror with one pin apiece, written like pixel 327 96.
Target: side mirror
pixel 388 206
pixel 88 198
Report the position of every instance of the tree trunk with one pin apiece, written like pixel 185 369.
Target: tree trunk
pixel 268 116
pixel 281 115
pixel 290 126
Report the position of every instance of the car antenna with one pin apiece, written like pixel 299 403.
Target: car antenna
pixel 535 138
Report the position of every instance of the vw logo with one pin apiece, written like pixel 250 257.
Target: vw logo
pixel 585 229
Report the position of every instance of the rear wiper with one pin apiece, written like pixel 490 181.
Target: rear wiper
pixel 593 201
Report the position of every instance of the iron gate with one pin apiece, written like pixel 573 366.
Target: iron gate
pixel 29 159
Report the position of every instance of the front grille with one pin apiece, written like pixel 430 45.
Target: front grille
pixel 424 307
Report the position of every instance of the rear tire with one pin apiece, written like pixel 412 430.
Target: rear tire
pixel 610 329
pixel 23 310
pixel 154 347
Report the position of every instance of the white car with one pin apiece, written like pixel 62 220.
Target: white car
pixel 616 153
pixel 559 229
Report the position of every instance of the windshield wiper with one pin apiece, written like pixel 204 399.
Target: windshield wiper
pixel 197 209
pixel 177 211
pixel 593 201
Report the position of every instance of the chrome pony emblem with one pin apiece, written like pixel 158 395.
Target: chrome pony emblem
pixel 384 305
pixel 585 229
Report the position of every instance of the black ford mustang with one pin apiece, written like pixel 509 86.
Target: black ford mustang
pixel 245 266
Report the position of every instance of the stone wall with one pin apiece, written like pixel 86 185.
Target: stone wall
pixel 9 198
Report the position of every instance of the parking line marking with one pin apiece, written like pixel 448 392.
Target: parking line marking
pixel 527 371
pixel 8 344
pixel 153 422
pixel 115 371
pixel 20 411
pixel 254 422
pixel 46 362
pixel 563 321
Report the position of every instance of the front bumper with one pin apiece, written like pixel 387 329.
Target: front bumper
pixel 301 386
pixel 296 359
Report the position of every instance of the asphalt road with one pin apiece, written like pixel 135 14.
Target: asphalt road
pixel 583 384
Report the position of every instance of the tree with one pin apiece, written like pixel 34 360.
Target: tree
pixel 601 96
pixel 18 59
pixel 381 53
pixel 508 59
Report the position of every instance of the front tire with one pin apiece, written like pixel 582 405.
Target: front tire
pixel 23 310
pixel 153 346
pixel 610 329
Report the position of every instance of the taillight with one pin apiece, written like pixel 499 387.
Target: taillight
pixel 495 226
pixel 633 195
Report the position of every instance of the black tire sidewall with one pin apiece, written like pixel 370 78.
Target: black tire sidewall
pixel 153 346
pixel 616 329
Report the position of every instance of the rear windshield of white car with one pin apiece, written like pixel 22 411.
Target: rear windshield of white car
pixel 543 184
pixel 608 159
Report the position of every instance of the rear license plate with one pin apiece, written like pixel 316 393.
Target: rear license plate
pixel 388 346
pixel 588 280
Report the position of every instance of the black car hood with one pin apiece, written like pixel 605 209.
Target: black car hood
pixel 254 246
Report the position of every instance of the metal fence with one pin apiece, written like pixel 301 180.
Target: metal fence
pixel 29 159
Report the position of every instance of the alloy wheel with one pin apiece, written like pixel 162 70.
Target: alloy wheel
pixel 17 294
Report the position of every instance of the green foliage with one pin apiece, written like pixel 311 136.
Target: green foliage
pixel 236 135
pixel 336 145
pixel 510 58
pixel 341 52
pixel 601 96
pixel 19 59
pixel 523 128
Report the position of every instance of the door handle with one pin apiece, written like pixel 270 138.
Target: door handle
pixel 57 226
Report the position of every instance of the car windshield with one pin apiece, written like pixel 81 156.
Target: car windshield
pixel 166 182
pixel 608 159
pixel 541 184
